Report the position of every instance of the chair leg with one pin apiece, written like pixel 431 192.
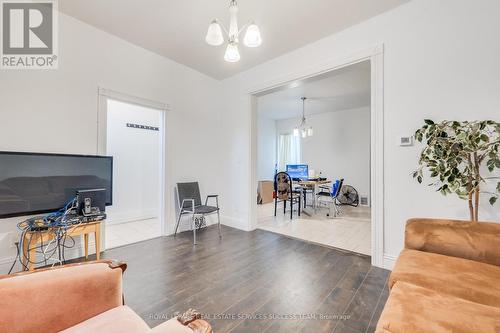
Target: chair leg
pixel 284 206
pixel 194 230
pixel 218 224
pixel 275 205
pixel 291 208
pixel 177 225
pixel 299 205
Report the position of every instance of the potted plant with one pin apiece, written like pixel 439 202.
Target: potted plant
pixel 460 158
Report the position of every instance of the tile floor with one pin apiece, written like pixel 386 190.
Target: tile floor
pixel 350 231
pixel 131 232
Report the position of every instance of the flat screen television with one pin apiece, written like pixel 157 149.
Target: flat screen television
pixel 34 183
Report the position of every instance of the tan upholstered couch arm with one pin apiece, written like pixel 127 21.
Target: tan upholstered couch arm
pixel 51 300
pixel 464 239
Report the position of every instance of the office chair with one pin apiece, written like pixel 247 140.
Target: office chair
pixel 331 193
pixel 283 190
pixel 189 198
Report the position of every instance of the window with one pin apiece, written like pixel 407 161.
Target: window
pixel 288 150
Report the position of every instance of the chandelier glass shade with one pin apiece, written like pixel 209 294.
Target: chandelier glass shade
pixel 303 129
pixel 232 54
pixel 215 34
pixel 252 36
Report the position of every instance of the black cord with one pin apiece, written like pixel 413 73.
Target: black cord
pixel 15 260
pixel 54 223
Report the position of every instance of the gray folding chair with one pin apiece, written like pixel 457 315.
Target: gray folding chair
pixel 190 203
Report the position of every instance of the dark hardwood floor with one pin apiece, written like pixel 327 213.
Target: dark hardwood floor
pixel 253 282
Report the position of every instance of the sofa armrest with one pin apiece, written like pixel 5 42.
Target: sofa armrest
pixel 60 297
pixel 463 239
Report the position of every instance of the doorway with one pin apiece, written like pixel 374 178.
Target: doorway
pixel 375 55
pixel 318 131
pixel 134 137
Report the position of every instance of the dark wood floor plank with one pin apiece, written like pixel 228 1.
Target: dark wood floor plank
pixel 333 306
pixel 378 310
pixel 287 288
pixel 362 307
pixel 248 281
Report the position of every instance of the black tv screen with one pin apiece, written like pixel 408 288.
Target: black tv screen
pixel 33 183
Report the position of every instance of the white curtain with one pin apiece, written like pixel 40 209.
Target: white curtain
pixel 288 150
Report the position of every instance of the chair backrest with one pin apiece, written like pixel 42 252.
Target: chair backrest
pixel 336 187
pixel 189 191
pixel 282 185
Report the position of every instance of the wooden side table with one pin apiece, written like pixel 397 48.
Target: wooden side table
pixel 32 238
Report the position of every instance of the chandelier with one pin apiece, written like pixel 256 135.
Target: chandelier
pixel 214 35
pixel 303 130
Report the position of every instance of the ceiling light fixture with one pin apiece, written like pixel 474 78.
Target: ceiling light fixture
pixel 303 130
pixel 215 37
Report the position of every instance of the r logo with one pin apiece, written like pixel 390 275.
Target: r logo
pixel 27 28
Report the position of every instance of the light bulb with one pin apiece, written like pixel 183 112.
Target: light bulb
pixel 304 133
pixel 214 34
pixel 252 36
pixel 295 131
pixel 310 131
pixel 232 54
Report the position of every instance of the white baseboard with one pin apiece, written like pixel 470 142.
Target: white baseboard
pixel 389 261
pixel 185 223
pixel 234 222
pixel 125 219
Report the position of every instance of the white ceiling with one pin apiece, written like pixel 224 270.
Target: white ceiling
pixel 343 89
pixel 176 28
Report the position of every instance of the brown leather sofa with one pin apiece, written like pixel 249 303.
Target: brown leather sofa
pixel 447 279
pixel 75 298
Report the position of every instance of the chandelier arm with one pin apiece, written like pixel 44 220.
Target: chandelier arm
pixel 224 28
pixel 244 27
pixel 304 109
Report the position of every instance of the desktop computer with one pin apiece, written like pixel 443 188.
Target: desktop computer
pixel 298 171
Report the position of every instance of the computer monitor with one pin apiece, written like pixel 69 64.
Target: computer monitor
pixel 298 171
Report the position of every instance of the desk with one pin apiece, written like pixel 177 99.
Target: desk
pixel 312 185
pixel 33 238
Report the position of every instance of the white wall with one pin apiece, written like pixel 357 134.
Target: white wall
pixel 136 162
pixel 440 62
pixel 340 146
pixel 266 148
pixel 56 110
